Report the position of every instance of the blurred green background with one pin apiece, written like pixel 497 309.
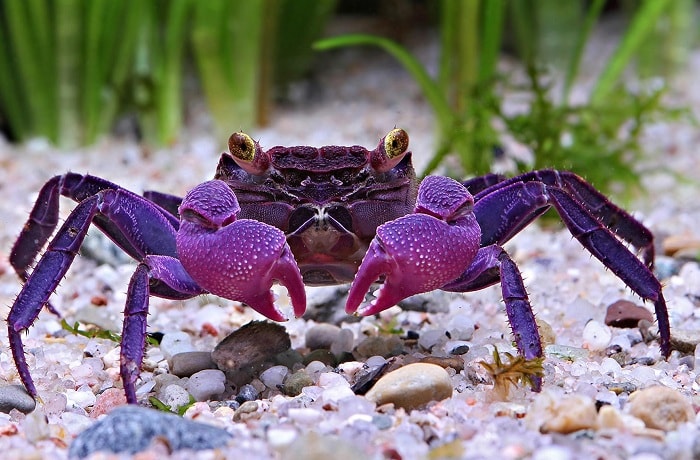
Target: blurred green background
pixel 72 68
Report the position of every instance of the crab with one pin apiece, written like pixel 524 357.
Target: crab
pixel 320 216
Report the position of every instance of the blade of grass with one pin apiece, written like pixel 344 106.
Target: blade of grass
pixel 592 15
pixel 30 69
pixel 68 14
pixel 91 85
pixel 12 101
pixel 642 23
pixel 491 39
pixel 431 90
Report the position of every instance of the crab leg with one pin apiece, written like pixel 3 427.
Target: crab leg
pixel 44 217
pixel 492 265
pixel 499 208
pixel 154 269
pixel 419 252
pixel 616 219
pixel 136 219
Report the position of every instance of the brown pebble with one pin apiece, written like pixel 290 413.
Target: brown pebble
pixel 250 346
pixel 661 408
pixel 455 363
pixel 412 386
pixel 98 300
pixel 626 314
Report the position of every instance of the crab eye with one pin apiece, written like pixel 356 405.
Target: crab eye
pixel 241 146
pixel 395 143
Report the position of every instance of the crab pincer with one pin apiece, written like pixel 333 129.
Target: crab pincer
pixel 419 252
pixel 236 259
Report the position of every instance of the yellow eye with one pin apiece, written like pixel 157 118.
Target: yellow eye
pixel 241 146
pixel 395 143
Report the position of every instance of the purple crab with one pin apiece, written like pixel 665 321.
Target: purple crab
pixel 320 216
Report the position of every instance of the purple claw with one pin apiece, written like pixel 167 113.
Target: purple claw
pixel 419 252
pixel 236 259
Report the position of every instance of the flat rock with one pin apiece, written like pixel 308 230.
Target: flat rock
pixel 191 362
pixel 626 314
pixel 131 429
pixel 321 336
pixel 661 408
pixel 251 345
pixel 412 386
pixel 206 384
pixel 16 397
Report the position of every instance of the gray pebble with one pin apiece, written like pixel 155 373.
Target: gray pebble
pixel 173 396
pixel 131 429
pixel 191 362
pixel 247 393
pixel 16 397
pixel 206 384
pixel 296 382
pixel 321 336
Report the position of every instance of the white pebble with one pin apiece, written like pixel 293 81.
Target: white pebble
pixel 75 423
pixel 174 343
pixel 80 398
pixel 429 339
pixel 174 396
pixel 274 376
pixel 552 453
pixel 334 394
pixel 281 437
pixel 610 366
pixel 643 374
pixel 375 361
pixel 331 379
pixel 206 384
pixel 596 335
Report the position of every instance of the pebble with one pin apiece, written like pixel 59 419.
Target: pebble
pixel 596 335
pixel 173 396
pixel 296 382
pixel 685 340
pixel 412 386
pixel 131 429
pixel 321 336
pixel 250 346
pixel 626 314
pixel 107 401
pixel 552 412
pixel 660 407
pixel 274 376
pixel 206 384
pixel 174 343
pixel 380 346
pixel 16 397
pixel 191 362
pixel 247 393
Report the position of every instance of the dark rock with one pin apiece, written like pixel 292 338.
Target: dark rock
pixel 16 397
pixel 624 313
pixel 247 393
pixel 324 356
pixel 131 429
pixel 191 362
pixel 250 349
pixel 322 336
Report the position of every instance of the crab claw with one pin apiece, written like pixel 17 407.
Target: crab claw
pixel 419 252
pixel 236 259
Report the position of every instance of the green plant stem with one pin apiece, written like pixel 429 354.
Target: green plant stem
pixel 642 23
pixel 430 89
pixel 592 15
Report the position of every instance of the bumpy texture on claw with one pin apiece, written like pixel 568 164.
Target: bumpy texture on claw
pixel 419 252
pixel 236 259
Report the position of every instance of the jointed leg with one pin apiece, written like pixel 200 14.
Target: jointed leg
pixel 613 217
pixel 491 265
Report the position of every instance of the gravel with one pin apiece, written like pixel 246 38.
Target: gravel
pixel 592 404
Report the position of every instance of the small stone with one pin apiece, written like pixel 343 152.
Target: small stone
pixel 16 397
pixel 247 393
pixel 191 362
pixel 626 314
pixel 445 362
pixel 131 429
pixel 174 396
pixel 685 340
pixel 547 335
pixel 250 346
pixel 246 410
pixel 380 346
pixel 412 386
pixel 274 376
pixel 661 408
pixel 321 355
pixel 107 401
pixel 296 382
pixel 559 413
pixel 321 336
pixel 206 384
pixel 174 343
pixel 596 336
